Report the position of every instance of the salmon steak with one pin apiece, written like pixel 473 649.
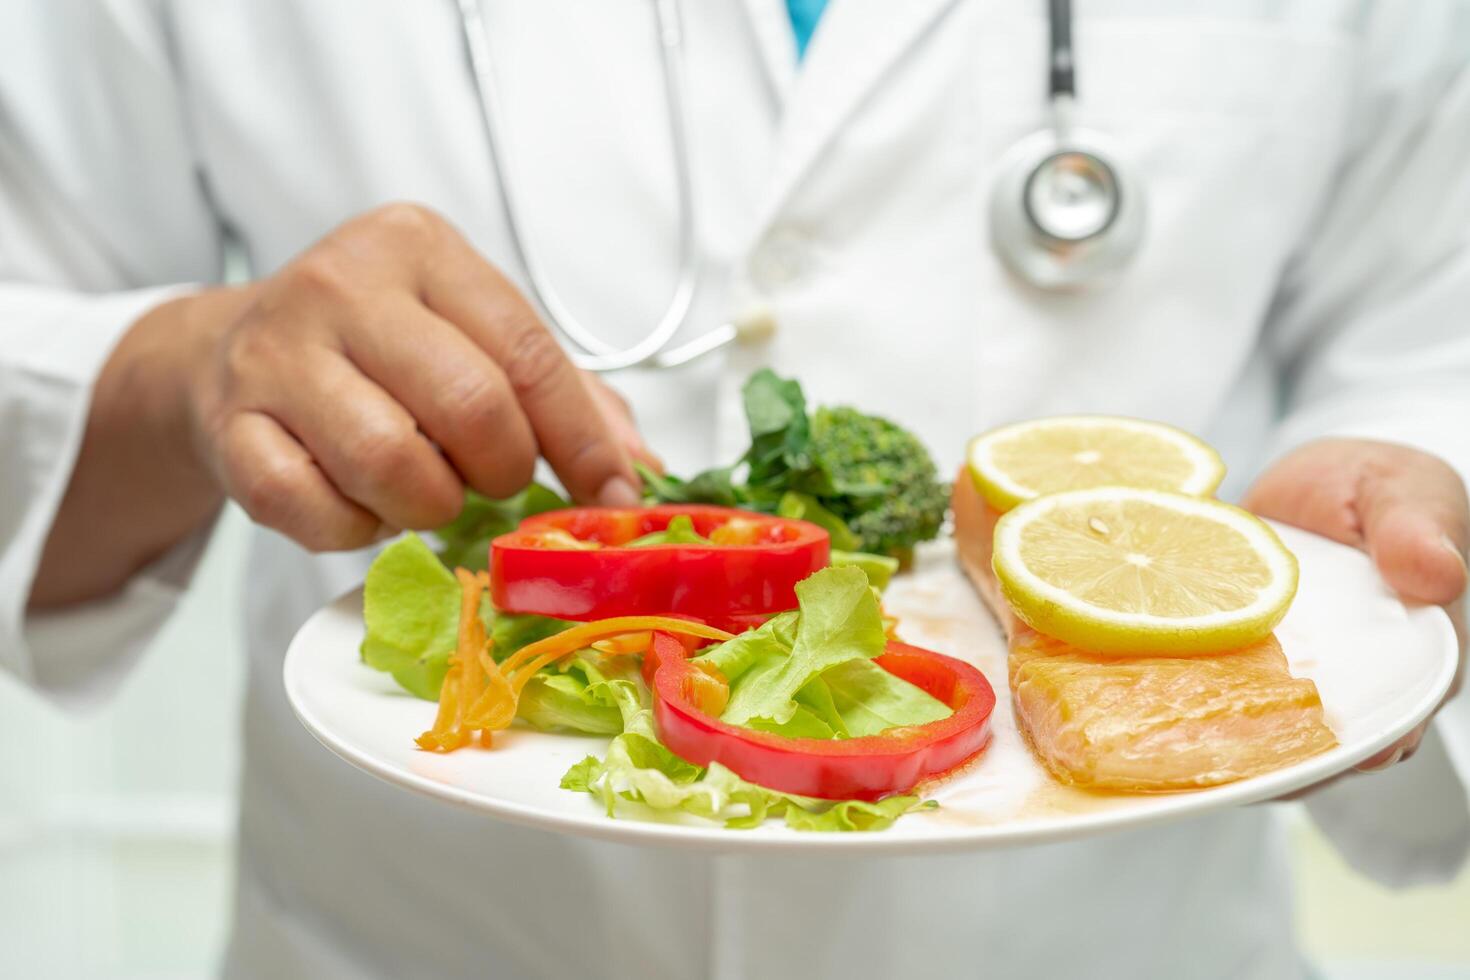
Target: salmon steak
pixel 1143 724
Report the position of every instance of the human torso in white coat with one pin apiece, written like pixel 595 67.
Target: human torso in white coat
pixel 848 197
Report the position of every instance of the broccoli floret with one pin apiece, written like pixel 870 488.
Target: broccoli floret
pixel 884 483
pixel 871 483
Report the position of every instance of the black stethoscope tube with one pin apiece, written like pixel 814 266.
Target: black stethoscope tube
pixel 1063 81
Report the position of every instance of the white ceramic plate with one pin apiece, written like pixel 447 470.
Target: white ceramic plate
pixel 1380 667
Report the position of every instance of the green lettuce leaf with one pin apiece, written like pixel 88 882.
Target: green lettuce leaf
pixel 869 699
pixel 410 607
pixel 411 613
pixel 583 777
pixel 839 621
pixel 826 649
pixel 803 723
pixel 638 766
pixel 641 769
pixel 576 697
pixel 815 699
pixel 759 649
pixel 466 539
pixel 856 815
pixel 880 569
pixel 511 631
pixel 853 699
pixel 816 715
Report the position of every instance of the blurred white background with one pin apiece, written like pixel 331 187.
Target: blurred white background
pixel 116 828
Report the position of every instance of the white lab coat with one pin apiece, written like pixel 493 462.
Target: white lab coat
pixel 1306 271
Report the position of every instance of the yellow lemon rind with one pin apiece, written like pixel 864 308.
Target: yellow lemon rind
pixel 1093 629
pixel 1004 494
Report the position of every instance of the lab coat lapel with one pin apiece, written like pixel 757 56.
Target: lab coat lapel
pixel 771 25
pixel 856 42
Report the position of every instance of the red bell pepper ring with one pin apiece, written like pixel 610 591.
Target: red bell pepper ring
pixel 750 571
pixel 866 768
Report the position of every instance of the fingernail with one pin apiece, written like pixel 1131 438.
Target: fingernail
pixel 618 492
pixel 1388 763
pixel 1452 548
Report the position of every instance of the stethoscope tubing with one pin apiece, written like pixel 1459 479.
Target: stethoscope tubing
pixel 1020 236
pixel 596 353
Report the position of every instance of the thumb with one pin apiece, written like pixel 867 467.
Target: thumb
pixel 1406 508
pixel 1414 525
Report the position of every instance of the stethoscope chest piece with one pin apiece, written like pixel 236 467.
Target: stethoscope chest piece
pixel 1063 216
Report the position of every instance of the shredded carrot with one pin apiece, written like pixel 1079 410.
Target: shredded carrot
pixel 625 643
pixel 479 695
pixel 522 665
pixel 495 706
pixel 553 648
pixel 471 669
pixel 445 736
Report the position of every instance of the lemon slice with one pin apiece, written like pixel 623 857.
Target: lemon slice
pixel 1129 570
pixel 1072 452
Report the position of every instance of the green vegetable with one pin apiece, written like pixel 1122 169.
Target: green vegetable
pixel 887 488
pixel 760 652
pixel 466 539
pixel 806 673
pixel 810 674
pixel 411 601
pixel 764 647
pixel 775 410
pixel 870 482
pixel 857 815
pixel 805 507
pixel 576 697
pixel 839 621
pixel 879 569
pixel 511 631
pixel 816 715
pixel 638 768
pixel 679 531
pixel 869 699
pixel 709 487
pixel 411 611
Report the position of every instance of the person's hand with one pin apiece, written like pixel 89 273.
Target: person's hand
pixel 358 389
pixel 1405 508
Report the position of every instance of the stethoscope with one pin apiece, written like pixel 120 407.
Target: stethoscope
pixel 1063 214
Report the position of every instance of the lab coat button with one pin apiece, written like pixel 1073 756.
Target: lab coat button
pixel 782 259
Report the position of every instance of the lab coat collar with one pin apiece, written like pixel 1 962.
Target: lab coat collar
pixel 855 43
